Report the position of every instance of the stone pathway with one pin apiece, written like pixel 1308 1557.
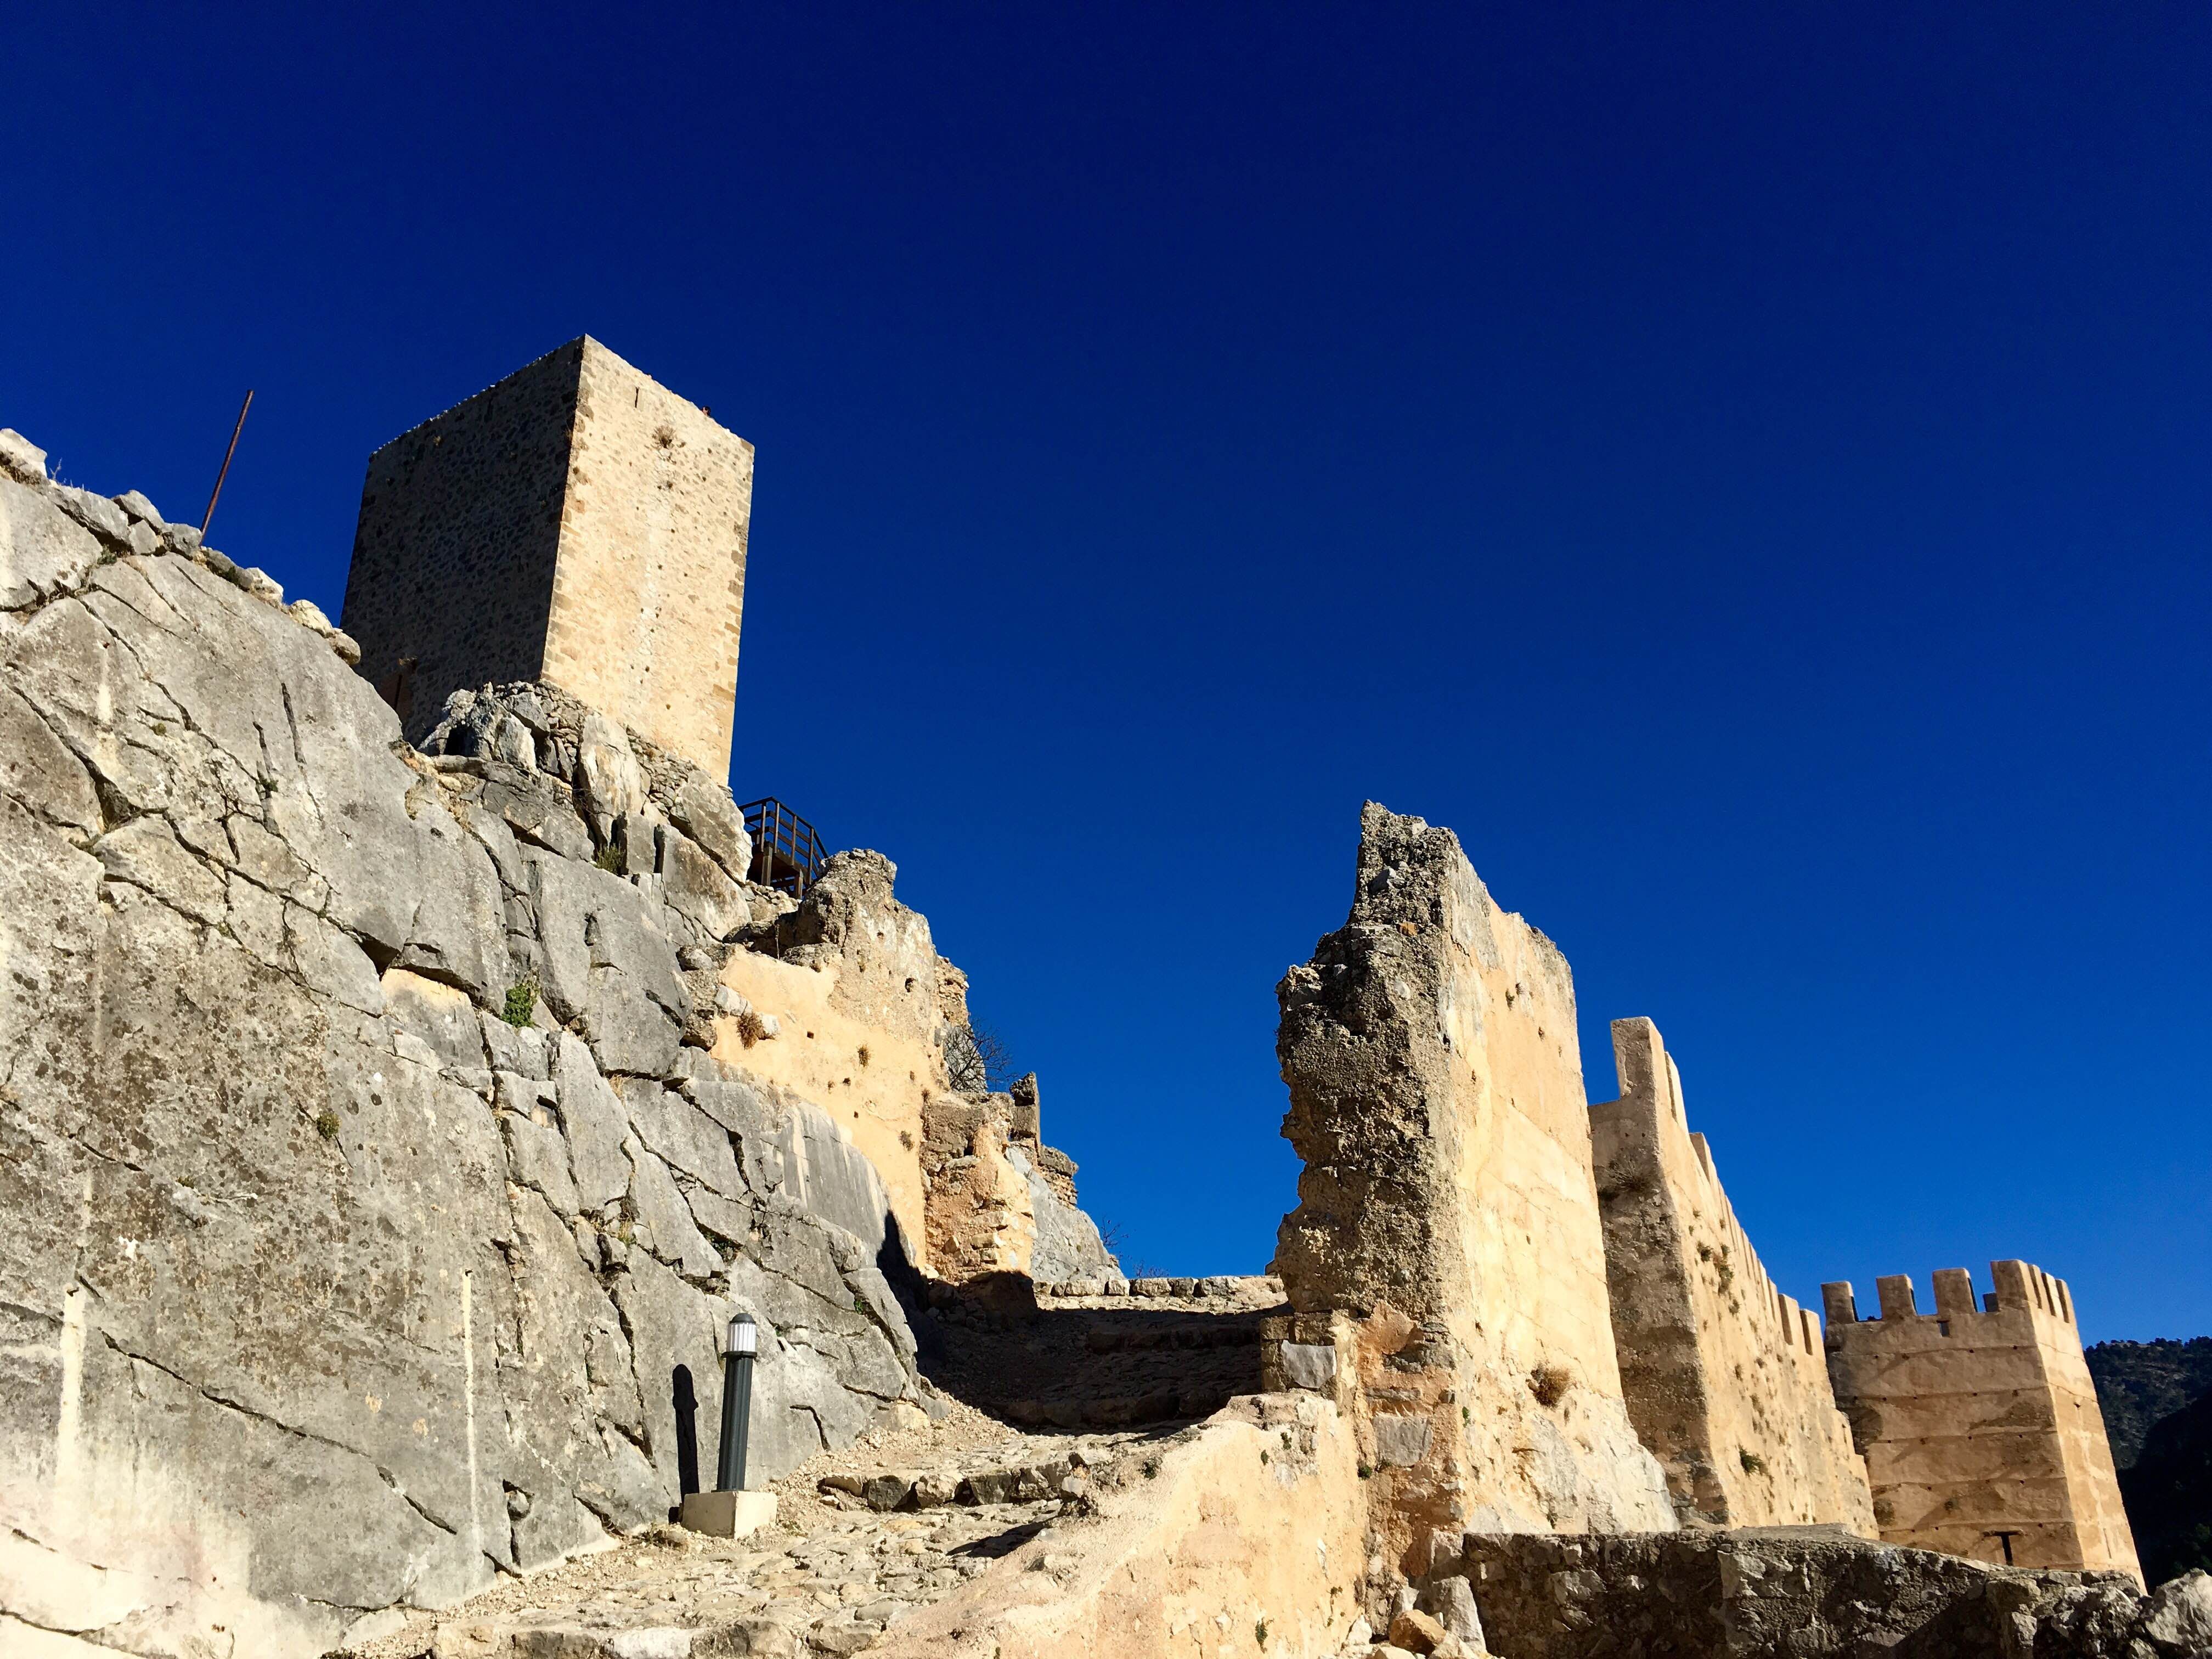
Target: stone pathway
pixel 863 1536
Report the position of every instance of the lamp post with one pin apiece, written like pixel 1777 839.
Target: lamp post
pixel 731 1511
pixel 737 1401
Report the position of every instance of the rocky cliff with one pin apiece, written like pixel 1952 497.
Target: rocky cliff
pixel 374 1197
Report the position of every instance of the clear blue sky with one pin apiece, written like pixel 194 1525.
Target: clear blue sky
pixel 1742 466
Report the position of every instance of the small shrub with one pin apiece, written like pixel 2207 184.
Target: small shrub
pixel 750 1028
pixel 1151 1468
pixel 609 859
pixel 1549 1384
pixel 1365 1473
pixel 864 1055
pixel 1260 1631
pixel 1752 1462
pixel 326 1124
pixel 521 1002
pixel 1263 1456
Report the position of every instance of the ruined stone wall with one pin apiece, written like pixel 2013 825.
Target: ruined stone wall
pixel 577 523
pixel 1725 1376
pixel 1238 1536
pixel 368 1173
pixel 1448 1202
pixel 1977 1422
pixel 1808 1593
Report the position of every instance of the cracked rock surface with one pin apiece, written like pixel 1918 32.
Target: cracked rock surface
pixel 372 1203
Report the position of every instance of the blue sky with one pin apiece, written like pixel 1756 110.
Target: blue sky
pixel 1742 467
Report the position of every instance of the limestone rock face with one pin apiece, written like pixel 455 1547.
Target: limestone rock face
pixel 366 1186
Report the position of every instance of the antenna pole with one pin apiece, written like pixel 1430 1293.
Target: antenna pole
pixel 208 518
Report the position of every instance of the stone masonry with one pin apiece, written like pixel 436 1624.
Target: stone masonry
pixel 1448 1208
pixel 578 523
pixel 1725 1376
pixel 1979 1424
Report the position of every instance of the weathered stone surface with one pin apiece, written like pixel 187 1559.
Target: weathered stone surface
pixel 708 814
pixel 1447 1201
pixel 21 458
pixel 1066 1242
pixel 593 1117
pixel 606 964
pixel 696 885
pixel 314 1298
pixel 1451 1599
pixel 609 782
pixel 1725 1376
pixel 42 551
pixel 1978 1418
pixel 1792 1593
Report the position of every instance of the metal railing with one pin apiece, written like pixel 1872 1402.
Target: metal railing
pixel 787 855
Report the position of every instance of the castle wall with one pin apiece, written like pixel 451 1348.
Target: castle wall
pixel 1977 1421
pixel 1448 1201
pixel 577 523
pixel 1725 1376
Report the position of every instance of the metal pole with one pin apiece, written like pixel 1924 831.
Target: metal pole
pixel 208 518
pixel 737 1403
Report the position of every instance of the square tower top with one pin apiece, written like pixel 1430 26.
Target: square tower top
pixel 577 523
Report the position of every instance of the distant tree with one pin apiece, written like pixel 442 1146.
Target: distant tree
pixel 979 1060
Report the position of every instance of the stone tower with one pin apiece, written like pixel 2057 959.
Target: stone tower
pixel 1979 1424
pixel 577 523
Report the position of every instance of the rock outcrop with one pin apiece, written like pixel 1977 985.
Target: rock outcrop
pixel 368 1177
pixel 1807 1593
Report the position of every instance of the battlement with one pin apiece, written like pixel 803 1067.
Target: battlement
pixel 577 523
pixel 1724 1373
pixel 1979 1421
pixel 2020 1286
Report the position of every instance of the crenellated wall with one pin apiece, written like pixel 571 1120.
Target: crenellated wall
pixel 1980 1424
pixel 1724 1376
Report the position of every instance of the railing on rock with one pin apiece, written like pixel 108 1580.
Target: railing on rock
pixel 787 855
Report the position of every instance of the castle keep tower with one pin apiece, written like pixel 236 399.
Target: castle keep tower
pixel 1980 1424
pixel 577 523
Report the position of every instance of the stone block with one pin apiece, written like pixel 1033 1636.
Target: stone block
pixel 1308 1366
pixel 728 1514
